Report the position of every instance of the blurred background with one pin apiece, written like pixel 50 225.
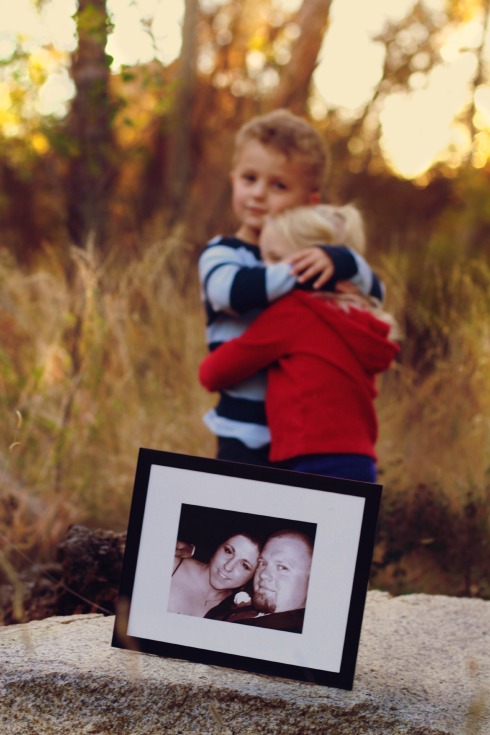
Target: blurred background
pixel 117 120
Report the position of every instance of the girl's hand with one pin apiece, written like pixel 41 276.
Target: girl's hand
pixel 312 262
pixel 347 287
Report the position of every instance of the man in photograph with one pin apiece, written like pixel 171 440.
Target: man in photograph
pixel 280 584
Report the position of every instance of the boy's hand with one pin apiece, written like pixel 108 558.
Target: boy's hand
pixel 312 262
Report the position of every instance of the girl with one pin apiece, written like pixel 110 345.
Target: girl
pixel 322 352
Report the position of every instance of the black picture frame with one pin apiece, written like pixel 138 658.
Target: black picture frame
pixel 179 495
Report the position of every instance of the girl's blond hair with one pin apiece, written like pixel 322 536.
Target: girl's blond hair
pixel 311 225
pixel 304 227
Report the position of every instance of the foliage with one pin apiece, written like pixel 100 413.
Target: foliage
pixel 99 353
pixel 22 125
pixel 426 544
pixel 243 59
pixel 109 364
pixel 95 369
pixel 435 433
pixel 94 22
pixel 443 297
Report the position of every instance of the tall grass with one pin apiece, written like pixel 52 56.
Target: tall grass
pixel 95 367
pixel 97 364
pixel 434 411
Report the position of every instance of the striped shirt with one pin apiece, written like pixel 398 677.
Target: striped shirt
pixel 235 287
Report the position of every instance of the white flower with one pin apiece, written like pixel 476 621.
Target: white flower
pixel 242 598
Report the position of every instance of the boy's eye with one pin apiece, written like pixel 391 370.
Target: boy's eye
pixel 280 185
pixel 249 177
pixel 246 566
pixel 228 550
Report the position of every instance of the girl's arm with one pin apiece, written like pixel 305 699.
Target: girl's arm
pixel 261 345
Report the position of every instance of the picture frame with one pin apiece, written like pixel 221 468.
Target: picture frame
pixel 202 502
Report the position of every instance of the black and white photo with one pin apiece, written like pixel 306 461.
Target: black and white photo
pixel 248 567
pixel 257 574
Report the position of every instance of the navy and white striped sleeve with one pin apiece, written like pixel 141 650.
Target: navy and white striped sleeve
pixel 350 266
pixel 258 287
pixel 218 266
pixel 235 281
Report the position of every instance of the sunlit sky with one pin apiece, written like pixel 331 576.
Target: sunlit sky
pixel 417 127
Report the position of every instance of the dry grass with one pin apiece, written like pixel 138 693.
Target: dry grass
pixel 434 443
pixel 94 367
pixel 435 405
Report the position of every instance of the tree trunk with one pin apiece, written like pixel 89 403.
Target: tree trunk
pixel 180 147
pixel 91 169
pixel 478 79
pixel 293 89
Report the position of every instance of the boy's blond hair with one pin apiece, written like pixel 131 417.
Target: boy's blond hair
pixel 291 135
pixel 304 227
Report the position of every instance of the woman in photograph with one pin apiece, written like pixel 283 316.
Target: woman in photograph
pixel 197 587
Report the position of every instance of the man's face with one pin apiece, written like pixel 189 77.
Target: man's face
pixel 282 576
pixel 265 181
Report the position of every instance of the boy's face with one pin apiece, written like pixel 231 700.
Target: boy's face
pixel 265 181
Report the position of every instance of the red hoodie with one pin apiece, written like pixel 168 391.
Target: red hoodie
pixel 322 364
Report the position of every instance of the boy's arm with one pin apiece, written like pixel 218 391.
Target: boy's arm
pixel 347 264
pixel 236 287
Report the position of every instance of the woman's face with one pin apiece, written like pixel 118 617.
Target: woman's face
pixel 233 563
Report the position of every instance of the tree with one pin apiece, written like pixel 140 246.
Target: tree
pixel 294 88
pixel 236 61
pixel 91 165
pixel 178 169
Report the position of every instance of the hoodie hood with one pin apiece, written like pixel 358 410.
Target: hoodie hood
pixel 364 334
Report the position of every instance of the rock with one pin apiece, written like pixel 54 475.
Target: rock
pixel 91 562
pixel 39 588
pixel 423 669
pixel 84 578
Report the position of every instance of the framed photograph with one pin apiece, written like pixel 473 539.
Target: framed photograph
pixel 254 568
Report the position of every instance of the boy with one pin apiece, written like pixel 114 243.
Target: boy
pixel 279 162
pixel 322 354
